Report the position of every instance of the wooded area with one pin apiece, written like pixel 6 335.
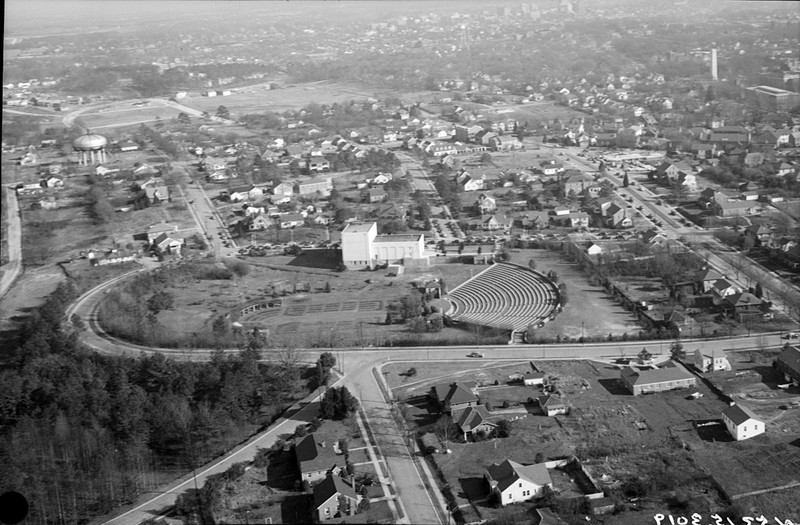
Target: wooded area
pixel 82 433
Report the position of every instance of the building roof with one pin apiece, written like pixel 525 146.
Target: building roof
pixel 454 393
pixel 471 418
pixel 509 472
pixel 791 358
pixel 312 456
pixel 670 371
pixel 550 402
pixel 358 228
pixel 400 237
pixel 330 487
pixel 89 141
pixel 739 414
pixel 743 299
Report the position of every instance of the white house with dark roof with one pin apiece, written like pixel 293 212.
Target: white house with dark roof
pixel 514 482
pixel 335 498
pixel 711 360
pixel 316 459
pixel 742 423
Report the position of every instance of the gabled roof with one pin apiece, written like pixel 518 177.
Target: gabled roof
pixel 739 414
pixel 743 299
pixel 509 472
pixel 454 393
pixel 330 487
pixel 471 418
pixel 312 456
pixel 709 274
pixel 791 358
pixel 550 402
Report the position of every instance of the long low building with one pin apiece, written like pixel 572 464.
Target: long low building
pixel 788 363
pixel 670 376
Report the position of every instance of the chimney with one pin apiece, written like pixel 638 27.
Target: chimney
pixel 714 75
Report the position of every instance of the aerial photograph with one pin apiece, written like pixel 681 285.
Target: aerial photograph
pixel 400 261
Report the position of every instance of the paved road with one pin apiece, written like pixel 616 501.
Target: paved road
pixel 774 286
pixel 12 269
pixel 162 502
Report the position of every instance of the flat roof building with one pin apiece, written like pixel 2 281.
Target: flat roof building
pixel 362 246
pixel 773 98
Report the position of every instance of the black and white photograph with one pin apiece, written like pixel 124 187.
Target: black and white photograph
pixel 423 262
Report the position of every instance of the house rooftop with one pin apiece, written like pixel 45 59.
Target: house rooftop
pixel 358 228
pixel 670 371
pixel 508 472
pixel 739 414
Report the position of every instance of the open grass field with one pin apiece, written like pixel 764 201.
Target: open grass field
pixel 117 117
pixel 350 314
pixel 258 98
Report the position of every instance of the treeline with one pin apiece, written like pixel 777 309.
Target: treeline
pixel 82 433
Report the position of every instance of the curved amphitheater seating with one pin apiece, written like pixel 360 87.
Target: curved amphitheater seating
pixel 504 295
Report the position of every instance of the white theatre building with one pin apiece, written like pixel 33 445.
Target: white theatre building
pixel 362 246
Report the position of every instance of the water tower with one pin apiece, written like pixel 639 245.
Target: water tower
pixel 91 149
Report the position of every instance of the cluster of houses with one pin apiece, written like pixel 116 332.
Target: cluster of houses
pixel 321 465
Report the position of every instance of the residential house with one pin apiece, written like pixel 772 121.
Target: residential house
pixel 654 237
pixel 593 249
pixel 291 220
pixel 316 460
pixel 496 221
pixel 284 189
pixel 576 181
pixel 374 195
pixel 743 305
pixel 617 217
pixel 741 422
pixel 550 167
pixel 706 279
pixel 788 363
pixel 165 243
pixel 317 163
pixel 472 421
pixel 380 178
pixel 335 498
pixel 533 219
pixel 239 194
pixel 722 288
pixel 312 186
pixel 711 360
pixel 469 183
pixel 579 219
pixel 486 203
pixel 453 396
pixel 513 482
pixel 670 376
pixel 259 222
pixel 211 164
pixel 758 234
pixel 157 229
pixel 154 193
pixel 552 405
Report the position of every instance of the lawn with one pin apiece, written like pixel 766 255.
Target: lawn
pixel 127 116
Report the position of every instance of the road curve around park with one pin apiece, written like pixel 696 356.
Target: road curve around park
pixel 405 471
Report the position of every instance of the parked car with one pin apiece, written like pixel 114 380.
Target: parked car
pixel 792 335
pixel 475 354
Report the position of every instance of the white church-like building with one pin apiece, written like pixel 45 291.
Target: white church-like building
pixel 362 246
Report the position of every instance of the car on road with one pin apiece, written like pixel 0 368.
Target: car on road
pixel 792 335
pixel 623 361
pixel 475 354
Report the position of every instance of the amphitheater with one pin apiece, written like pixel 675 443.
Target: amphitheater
pixel 507 296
